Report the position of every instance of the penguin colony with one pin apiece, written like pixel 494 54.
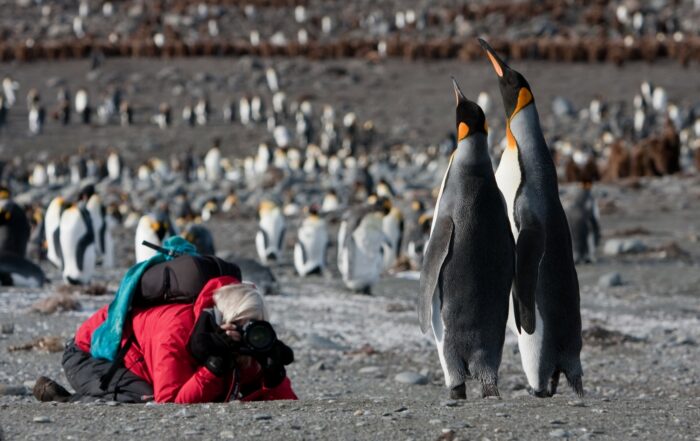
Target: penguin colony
pixel 614 31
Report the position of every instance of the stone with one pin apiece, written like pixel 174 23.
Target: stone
pixel 559 433
pixel 41 419
pixel 615 247
pixel 7 328
pixel 411 378
pixel 610 280
pixel 369 370
pixel 262 417
pixel 450 403
pixel 227 434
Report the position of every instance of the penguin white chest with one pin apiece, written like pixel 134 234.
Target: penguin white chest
pixel 508 179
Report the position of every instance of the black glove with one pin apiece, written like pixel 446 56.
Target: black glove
pixel 210 345
pixel 273 363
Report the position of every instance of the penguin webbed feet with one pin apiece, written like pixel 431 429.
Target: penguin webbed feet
pixel 490 390
pixel 544 393
pixel 459 392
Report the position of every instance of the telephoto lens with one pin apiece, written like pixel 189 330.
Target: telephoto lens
pixel 258 336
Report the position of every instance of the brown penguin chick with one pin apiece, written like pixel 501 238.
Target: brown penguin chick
pixel 619 162
pixel 667 150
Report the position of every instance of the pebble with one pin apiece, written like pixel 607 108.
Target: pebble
pixel 615 247
pixel 450 403
pixel 227 434
pixel 41 419
pixel 559 433
pixel 369 370
pixel 411 378
pixel 262 417
pixel 576 403
pixel 112 403
pixel 7 328
pixel 610 280
pixel 435 422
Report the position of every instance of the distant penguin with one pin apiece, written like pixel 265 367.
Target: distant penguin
pixel 82 106
pixel 37 116
pixel 52 223
pixel 200 237
pixel 77 239
pixel 582 213
pixel 103 224
pixel 212 164
pixel 469 263
pixel 312 243
pixel 14 228
pixel 416 240
pixel 546 282
pixel 269 240
pixel 114 166
pixel 361 243
pixel 154 228
pixel 393 227
pixel 272 82
pixel 18 271
pixel 330 202
pixel 244 111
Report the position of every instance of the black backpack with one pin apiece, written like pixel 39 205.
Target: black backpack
pixel 181 279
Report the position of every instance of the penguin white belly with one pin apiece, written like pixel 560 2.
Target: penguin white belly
pixel 438 325
pixel 508 179
pixel 273 227
pixel 52 221
pixel 530 346
pixel 78 265
pixel 144 232
pixel 313 239
pixel 366 264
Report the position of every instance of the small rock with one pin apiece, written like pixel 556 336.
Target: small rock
pixel 610 280
pixel 369 370
pixel 359 412
pixel 262 417
pixel 320 366
pixel 559 433
pixel 227 434
pixel 576 403
pixel 7 328
pixel 450 403
pixel 411 378
pixel 41 419
pixel 112 403
pixel 435 422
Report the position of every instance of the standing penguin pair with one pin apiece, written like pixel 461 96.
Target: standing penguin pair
pixel 471 258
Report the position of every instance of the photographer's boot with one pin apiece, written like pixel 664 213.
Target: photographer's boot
pixel 45 389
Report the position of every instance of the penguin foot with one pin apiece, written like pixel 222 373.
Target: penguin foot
pixel 544 393
pixel 458 392
pixel 366 291
pixel 553 383
pixel 489 390
pixel 576 384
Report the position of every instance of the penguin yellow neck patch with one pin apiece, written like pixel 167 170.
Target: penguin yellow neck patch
pixel 510 139
pixel 524 98
pixel 462 131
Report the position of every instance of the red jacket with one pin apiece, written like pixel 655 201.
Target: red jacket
pixel 160 356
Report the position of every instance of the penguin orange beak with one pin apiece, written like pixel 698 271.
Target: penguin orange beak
pixel 498 64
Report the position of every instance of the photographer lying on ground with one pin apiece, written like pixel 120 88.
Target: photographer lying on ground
pixel 217 349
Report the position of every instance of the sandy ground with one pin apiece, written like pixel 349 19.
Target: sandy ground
pixel 640 370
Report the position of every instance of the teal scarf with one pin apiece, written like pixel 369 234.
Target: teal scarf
pixel 108 336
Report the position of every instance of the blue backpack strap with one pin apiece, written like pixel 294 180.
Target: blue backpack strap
pixel 107 338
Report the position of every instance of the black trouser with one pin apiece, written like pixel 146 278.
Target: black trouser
pixel 85 372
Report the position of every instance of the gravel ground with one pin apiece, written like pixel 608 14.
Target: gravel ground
pixel 640 352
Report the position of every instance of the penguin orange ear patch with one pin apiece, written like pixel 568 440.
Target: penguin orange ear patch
pixel 462 131
pixel 510 139
pixel 496 64
pixel 524 98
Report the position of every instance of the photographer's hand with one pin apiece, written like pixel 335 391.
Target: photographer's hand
pixel 273 363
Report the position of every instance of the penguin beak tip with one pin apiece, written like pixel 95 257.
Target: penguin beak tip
pixel 459 96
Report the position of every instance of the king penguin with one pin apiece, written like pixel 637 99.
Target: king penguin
pixel 77 239
pixel 52 222
pixel 269 241
pixel 154 228
pixel 311 246
pixel 361 244
pixel 469 263
pixel 14 228
pixel 546 282
pixel 582 213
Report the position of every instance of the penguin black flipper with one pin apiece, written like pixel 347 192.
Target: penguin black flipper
pixel 304 257
pixel 281 239
pixel 86 240
pixel 435 255
pixel 528 251
pixel 266 240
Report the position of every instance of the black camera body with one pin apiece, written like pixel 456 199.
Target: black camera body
pixel 257 337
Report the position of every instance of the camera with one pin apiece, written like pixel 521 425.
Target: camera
pixel 257 337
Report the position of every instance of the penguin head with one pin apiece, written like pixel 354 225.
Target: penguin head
pixel 160 225
pixel 4 193
pixel 515 90
pixel 470 117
